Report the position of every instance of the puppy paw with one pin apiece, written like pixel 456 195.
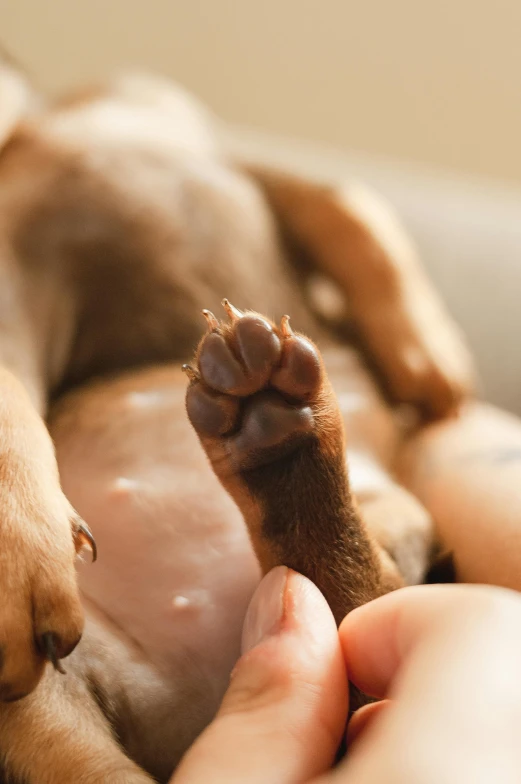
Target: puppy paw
pixel 261 404
pixel 41 619
pixel 254 390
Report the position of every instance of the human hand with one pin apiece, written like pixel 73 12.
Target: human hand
pixel 283 715
pixel 446 656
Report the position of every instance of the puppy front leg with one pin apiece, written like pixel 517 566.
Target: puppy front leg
pixel 40 616
pixel 261 404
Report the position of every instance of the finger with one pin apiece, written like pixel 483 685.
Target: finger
pixel 283 716
pixel 363 719
pixel 449 656
pixel 377 637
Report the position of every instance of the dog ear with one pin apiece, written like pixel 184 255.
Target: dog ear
pixel 17 96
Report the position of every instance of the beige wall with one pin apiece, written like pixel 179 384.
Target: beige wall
pixel 437 81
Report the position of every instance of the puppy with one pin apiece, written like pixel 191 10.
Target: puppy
pixel 122 218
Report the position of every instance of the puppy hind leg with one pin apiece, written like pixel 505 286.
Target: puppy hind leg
pixel 58 734
pixel 399 523
pixel 353 237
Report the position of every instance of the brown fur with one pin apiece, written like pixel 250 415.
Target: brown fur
pixel 281 456
pixel 109 247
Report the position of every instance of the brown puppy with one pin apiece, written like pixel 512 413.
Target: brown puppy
pixel 120 220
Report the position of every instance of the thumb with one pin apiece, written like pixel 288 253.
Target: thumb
pixel 284 713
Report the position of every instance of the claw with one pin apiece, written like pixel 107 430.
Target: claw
pixel 233 313
pixel 191 372
pixel 86 539
pixel 285 328
pixel 48 643
pixel 212 322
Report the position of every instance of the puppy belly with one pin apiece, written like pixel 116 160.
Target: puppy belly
pixel 175 569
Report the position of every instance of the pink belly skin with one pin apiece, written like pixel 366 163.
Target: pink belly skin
pixel 175 569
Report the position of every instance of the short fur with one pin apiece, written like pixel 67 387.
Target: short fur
pixel 120 219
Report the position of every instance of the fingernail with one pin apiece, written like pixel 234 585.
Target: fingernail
pixel 266 609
